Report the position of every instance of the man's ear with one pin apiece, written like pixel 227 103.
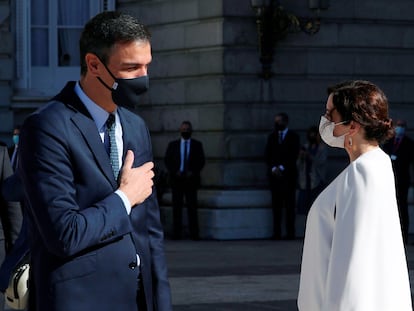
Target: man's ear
pixel 93 63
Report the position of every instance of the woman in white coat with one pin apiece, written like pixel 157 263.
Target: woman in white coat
pixel 353 255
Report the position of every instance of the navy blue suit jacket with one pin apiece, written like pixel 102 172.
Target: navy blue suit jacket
pixel 82 239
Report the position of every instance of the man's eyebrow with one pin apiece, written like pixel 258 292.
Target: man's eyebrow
pixel 133 64
pixel 130 64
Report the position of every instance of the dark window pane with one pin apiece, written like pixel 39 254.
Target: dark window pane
pixel 73 13
pixel 68 47
pixel 39 45
pixel 39 12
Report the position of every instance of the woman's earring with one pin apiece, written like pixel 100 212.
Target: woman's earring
pixel 350 141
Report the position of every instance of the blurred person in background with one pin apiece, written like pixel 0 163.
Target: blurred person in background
pixel 311 169
pixel 282 150
pixel 400 148
pixel 184 160
pixel 14 150
pixel 10 218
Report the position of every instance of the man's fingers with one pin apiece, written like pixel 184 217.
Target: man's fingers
pixel 136 182
pixel 148 166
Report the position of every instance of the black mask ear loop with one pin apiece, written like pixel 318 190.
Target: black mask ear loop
pixel 115 85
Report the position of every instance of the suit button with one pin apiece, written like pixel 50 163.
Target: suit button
pixel 132 265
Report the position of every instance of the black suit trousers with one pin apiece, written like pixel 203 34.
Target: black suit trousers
pixel 283 198
pixel 185 187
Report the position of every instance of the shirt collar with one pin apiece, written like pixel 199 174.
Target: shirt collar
pixel 99 115
pixel 284 132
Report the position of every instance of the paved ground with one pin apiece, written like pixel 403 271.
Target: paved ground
pixel 251 275
pixel 237 275
pixel 234 275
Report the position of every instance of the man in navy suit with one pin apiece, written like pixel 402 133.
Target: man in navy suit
pixel 282 150
pixel 86 166
pixel 185 159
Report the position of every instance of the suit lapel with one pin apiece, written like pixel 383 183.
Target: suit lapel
pixel 89 132
pixel 84 122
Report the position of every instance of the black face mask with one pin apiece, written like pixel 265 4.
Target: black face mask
pixel 126 92
pixel 279 127
pixel 186 135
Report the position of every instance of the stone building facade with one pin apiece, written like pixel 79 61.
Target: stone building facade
pixel 205 69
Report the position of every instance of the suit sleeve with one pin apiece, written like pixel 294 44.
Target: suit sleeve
pixel 201 160
pixel 169 157
pixel 161 287
pixel 49 171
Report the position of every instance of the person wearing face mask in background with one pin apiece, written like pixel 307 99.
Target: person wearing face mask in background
pixel 184 159
pixel 96 239
pixel 281 153
pixel 400 148
pixel 353 254
pixel 12 190
pixel 311 169
pixel 13 150
pixel 10 220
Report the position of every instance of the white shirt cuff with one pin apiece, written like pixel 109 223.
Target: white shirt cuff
pixel 124 199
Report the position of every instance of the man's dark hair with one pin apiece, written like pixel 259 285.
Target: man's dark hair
pixel 106 29
pixel 284 116
pixel 187 123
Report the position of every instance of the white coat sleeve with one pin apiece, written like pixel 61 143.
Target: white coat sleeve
pixel 367 266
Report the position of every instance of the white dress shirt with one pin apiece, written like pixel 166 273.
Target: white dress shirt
pixel 182 148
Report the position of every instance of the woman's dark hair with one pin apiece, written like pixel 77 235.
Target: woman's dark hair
pixel 106 29
pixel 365 103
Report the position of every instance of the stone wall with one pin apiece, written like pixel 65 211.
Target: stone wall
pixel 206 63
pixel 206 67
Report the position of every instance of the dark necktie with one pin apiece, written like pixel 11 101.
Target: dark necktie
pixel 185 166
pixel 280 137
pixel 113 150
pixel 14 159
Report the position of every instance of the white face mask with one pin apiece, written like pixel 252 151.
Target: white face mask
pixel 326 129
